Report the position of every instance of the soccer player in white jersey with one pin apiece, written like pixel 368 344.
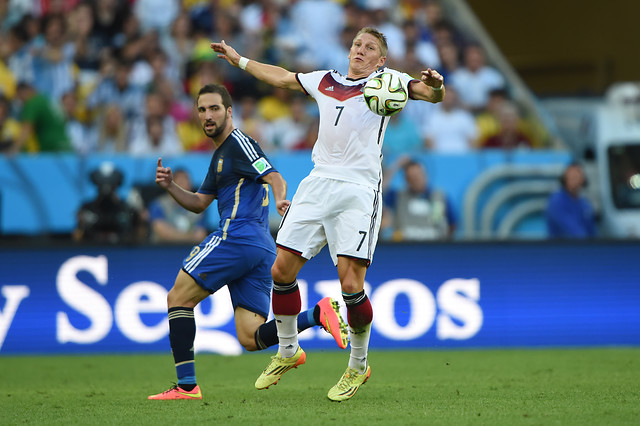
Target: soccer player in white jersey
pixel 339 203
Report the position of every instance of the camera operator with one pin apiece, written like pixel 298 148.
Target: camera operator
pixel 108 219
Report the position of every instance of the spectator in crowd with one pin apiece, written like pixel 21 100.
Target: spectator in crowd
pixel 475 79
pixel 155 139
pixel 172 223
pixel 569 214
pixel 156 134
pixel 109 17
pixel 417 212
pixel 81 136
pixel 425 51
pixel 250 120
pixel 285 133
pixel 7 77
pixel 17 56
pixel 53 59
pixel 108 219
pixel 275 105
pixel 88 45
pixel 450 129
pixel 488 120
pixel 156 15
pixel 9 127
pixel 509 135
pixel 179 46
pixel 40 121
pixel 314 20
pixel 114 88
pixel 449 55
pixel 112 130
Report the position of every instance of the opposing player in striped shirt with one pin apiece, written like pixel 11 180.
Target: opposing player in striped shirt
pixel 240 253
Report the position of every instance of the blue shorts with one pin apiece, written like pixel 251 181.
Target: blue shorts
pixel 243 268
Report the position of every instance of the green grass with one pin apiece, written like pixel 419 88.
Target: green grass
pixel 488 387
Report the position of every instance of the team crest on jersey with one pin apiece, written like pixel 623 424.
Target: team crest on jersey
pixel 261 164
pixel 219 169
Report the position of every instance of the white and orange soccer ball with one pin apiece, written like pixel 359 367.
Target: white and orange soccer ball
pixel 385 94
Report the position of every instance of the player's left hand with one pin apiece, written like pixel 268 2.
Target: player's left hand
pixel 432 78
pixel 282 206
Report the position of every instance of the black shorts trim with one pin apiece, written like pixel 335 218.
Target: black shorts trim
pixel 355 258
pixel 290 250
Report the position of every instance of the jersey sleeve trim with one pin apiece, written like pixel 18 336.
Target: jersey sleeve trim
pixel 301 85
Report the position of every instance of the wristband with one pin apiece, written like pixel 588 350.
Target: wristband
pixel 242 63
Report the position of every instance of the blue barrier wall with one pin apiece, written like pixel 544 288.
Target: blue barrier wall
pixel 42 193
pixel 109 300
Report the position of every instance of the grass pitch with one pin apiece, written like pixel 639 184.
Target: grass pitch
pixel 465 387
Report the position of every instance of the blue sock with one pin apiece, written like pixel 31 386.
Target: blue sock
pixel 267 334
pixel 182 333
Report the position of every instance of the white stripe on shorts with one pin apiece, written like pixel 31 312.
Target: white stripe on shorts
pixel 193 263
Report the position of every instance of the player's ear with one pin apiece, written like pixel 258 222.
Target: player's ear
pixel 381 61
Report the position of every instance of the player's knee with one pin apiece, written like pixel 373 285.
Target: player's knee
pixel 172 299
pixel 248 342
pixel 280 274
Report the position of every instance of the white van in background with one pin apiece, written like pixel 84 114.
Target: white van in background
pixel 617 145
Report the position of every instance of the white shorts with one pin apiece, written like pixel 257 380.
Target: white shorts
pixel 344 215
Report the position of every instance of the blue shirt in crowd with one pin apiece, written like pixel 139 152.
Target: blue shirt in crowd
pixel 570 217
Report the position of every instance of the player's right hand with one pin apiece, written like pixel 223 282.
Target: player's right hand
pixel 226 52
pixel 164 175
pixel 282 206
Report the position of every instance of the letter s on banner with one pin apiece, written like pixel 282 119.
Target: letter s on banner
pixel 422 303
pixel 457 298
pixel 84 300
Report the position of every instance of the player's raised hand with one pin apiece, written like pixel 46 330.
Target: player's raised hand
pixel 226 52
pixel 282 206
pixel 164 175
pixel 432 78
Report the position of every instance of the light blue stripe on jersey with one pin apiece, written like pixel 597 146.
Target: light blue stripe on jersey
pixel 193 263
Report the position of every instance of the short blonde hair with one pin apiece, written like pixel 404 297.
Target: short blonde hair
pixel 382 40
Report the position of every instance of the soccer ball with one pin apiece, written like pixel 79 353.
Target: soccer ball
pixel 385 94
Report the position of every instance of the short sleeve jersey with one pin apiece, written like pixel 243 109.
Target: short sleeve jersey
pixel 234 178
pixel 349 145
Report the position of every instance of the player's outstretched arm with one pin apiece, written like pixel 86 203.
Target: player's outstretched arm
pixel 271 74
pixel 431 88
pixel 279 188
pixel 192 201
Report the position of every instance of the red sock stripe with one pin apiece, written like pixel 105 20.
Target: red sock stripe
pixel 286 304
pixel 360 315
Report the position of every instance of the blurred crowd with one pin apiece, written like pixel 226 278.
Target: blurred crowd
pixel 120 75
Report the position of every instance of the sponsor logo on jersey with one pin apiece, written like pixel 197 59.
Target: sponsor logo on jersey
pixel 220 165
pixel 329 89
pixel 261 164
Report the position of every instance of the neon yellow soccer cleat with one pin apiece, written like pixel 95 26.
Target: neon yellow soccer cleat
pixel 348 384
pixel 278 366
